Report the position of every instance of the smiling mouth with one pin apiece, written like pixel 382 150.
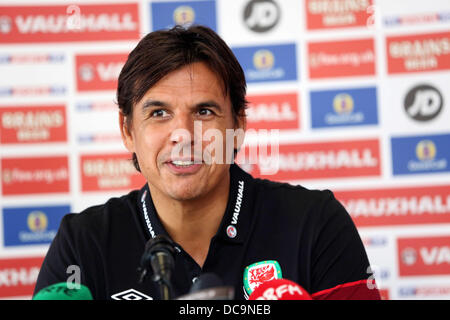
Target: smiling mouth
pixel 182 163
pixel 183 167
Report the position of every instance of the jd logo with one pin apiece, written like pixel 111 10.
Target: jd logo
pixel 261 15
pixel 423 103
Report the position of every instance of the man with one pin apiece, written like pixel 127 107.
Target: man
pixel 177 87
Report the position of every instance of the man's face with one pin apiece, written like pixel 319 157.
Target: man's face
pixel 171 157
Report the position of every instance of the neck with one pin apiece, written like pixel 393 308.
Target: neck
pixel 192 223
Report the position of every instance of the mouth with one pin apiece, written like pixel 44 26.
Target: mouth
pixel 184 166
pixel 182 163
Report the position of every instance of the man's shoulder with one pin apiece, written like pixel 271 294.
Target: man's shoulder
pixel 289 191
pixel 297 208
pixel 296 202
pixel 287 194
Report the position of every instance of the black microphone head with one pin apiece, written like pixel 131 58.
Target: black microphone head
pixel 159 257
pixel 160 243
pixel 208 286
pixel 206 281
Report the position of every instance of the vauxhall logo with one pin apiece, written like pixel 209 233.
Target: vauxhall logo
pixel 423 103
pixel 261 15
pixel 231 229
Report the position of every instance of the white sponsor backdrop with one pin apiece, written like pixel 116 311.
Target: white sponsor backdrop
pixel 57 93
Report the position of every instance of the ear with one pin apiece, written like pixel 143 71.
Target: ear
pixel 125 132
pixel 240 126
pixel 241 122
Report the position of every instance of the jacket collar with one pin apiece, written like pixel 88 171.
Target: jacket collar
pixel 236 221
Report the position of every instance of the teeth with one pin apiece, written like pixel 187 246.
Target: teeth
pixel 182 163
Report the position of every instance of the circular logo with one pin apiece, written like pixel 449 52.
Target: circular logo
pixel 37 221
pixel 423 103
pixel 5 24
pixel 261 15
pixel 409 256
pixel 86 72
pixel 263 59
pixel 426 150
pixel 184 15
pixel 343 103
pixel 231 231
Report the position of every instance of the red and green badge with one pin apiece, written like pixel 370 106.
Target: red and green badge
pixel 260 272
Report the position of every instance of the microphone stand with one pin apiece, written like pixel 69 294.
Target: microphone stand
pixel 163 279
pixel 165 290
pixel 159 256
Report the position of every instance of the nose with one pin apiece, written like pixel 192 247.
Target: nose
pixel 183 130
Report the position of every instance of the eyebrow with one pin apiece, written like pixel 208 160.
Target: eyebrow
pixel 210 104
pixel 153 103
pixel 157 103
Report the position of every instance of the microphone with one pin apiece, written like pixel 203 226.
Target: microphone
pixel 159 254
pixel 208 287
pixel 60 291
pixel 280 289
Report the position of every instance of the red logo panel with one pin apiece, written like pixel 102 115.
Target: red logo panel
pixel 325 14
pixel 424 256
pixel 18 276
pixel 341 58
pixel 109 172
pixel 20 24
pixel 35 124
pixel 98 72
pixel 275 111
pixel 397 206
pixel 35 175
pixel 313 160
pixel 426 52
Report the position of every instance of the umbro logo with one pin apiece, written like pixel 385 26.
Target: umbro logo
pixel 130 294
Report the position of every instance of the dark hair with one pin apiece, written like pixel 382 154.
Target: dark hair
pixel 163 51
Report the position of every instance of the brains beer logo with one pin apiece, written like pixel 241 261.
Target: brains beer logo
pixel 260 272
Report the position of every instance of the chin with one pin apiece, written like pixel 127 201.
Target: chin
pixel 183 192
pixel 183 195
